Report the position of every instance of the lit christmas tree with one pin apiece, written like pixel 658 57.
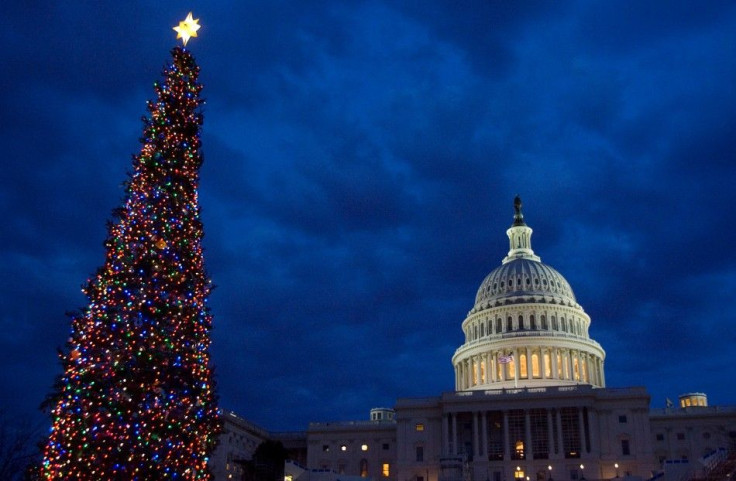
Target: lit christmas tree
pixel 136 398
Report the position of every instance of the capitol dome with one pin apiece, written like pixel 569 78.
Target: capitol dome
pixel 526 328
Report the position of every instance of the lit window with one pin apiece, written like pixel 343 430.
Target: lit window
pixel 519 448
pixel 363 468
pixel 535 365
pixel 522 366
pixel 420 427
pixel 343 448
pixel 385 470
pixel 364 447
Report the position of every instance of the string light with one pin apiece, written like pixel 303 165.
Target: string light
pixel 136 398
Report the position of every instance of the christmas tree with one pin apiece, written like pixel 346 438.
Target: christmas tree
pixel 136 400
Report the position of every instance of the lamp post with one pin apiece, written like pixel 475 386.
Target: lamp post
pixel 615 465
pixel 549 468
pixel 582 473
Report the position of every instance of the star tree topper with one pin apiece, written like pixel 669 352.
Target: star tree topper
pixel 187 28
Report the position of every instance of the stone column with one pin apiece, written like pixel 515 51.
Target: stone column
pixel 484 434
pixel 476 437
pixel 560 444
pixel 550 434
pixel 528 450
pixel 468 374
pixel 506 449
pixel 603 375
pixel 553 356
pixel 503 368
pixel 445 435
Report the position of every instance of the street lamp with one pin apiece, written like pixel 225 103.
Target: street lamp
pixel 615 465
pixel 582 473
pixel 549 468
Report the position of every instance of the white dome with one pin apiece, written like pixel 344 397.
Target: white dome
pixel 526 328
pixel 523 280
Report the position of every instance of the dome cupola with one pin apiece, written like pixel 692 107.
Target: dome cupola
pixel 526 328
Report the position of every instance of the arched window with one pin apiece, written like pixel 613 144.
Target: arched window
pixel 482 326
pixel 475 332
pixel 554 323
pixel 544 322
pixel 535 365
pixel 563 323
pixel 521 322
pixel 523 372
pixel 532 322
pixel 509 324
pixel 498 326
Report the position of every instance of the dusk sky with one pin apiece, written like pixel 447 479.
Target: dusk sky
pixel 361 161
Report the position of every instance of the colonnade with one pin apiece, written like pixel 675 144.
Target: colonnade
pixel 488 368
pixel 525 434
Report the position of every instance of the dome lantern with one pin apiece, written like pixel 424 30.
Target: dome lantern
pixel 520 237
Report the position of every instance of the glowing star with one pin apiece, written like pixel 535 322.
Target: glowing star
pixel 187 28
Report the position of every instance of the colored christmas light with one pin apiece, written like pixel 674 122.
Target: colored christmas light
pixel 136 398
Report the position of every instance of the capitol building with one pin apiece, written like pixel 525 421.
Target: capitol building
pixel 530 403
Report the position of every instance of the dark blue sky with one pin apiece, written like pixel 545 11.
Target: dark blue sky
pixel 361 164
